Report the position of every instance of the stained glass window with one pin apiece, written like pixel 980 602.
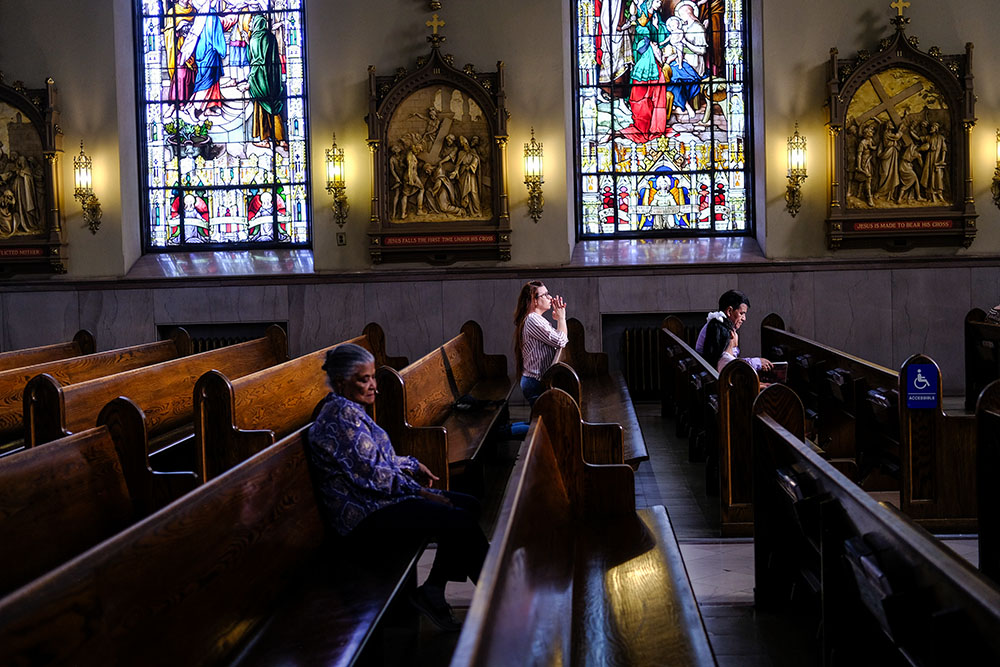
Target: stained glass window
pixel 223 114
pixel 662 96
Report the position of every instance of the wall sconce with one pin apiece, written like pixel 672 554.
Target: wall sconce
pixel 335 183
pixel 796 171
pixel 84 190
pixel 533 177
pixel 996 175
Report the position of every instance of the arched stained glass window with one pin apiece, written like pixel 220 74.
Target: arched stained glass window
pixel 662 101
pixel 223 114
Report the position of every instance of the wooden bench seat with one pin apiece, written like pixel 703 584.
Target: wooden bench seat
pixel 80 369
pixel 882 589
pixel 235 419
pixel 417 405
pixel 689 387
pixel 82 343
pixel 164 391
pixel 235 572
pixel 575 575
pixel 603 396
pixel 57 501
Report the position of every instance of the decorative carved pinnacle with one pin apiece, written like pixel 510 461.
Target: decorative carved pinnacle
pixel 899 22
pixel 435 40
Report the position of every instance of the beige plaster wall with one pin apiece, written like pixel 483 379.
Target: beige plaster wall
pixel 83 46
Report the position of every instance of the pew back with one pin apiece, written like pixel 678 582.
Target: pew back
pixel 236 419
pixel 982 355
pixel 163 391
pixel 875 572
pixel 938 459
pixel 80 369
pixel 566 529
pixel 82 343
pixel 987 466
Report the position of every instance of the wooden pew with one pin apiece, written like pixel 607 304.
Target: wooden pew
pixel 851 404
pixel 82 343
pixel 80 369
pixel 575 575
pixel 60 500
pixel 416 405
pixel 162 391
pixel 881 587
pixel 234 572
pixel 603 397
pixel 692 385
pixel 938 452
pixel 667 352
pixel 236 419
pixel 982 355
pixel 987 465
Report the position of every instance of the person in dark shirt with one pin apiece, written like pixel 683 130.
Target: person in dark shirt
pixel 384 500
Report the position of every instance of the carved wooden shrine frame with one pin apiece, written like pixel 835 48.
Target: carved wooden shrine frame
pixel 454 235
pixel 42 250
pixel 897 225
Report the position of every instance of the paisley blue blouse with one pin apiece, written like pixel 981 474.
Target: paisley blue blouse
pixel 358 472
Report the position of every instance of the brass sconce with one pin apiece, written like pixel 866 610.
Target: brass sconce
pixel 796 171
pixel 996 175
pixel 335 183
pixel 84 190
pixel 533 177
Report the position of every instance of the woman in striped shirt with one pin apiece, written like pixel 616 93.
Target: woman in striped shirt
pixel 535 340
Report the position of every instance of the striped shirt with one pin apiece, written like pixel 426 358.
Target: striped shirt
pixel 539 342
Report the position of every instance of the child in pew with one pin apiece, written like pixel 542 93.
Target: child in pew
pixel 733 306
pixel 383 500
pixel 720 345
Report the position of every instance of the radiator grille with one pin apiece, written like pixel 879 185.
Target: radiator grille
pixel 640 361
pixel 214 335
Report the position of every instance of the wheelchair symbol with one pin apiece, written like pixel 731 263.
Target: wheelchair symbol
pixel 920 382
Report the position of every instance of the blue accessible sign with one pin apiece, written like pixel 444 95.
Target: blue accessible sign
pixel 921 386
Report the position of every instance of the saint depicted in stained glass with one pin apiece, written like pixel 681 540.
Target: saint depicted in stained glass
pixel 661 103
pixel 224 112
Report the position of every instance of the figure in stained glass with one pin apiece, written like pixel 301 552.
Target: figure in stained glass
pixel 224 107
pixel 663 116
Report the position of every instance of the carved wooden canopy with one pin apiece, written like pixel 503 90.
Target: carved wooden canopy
pixel 438 141
pixel 900 124
pixel 31 230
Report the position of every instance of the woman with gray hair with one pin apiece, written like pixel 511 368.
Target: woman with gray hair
pixel 381 499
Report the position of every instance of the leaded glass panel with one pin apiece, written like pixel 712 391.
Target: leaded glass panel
pixel 661 104
pixel 223 111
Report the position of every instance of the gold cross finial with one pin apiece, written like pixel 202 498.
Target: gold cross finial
pixel 899 6
pixel 437 23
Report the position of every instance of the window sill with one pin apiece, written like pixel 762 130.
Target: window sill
pixel 652 252
pixel 222 264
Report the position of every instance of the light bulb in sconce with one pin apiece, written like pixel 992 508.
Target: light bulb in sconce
pixel 796 171
pixel 533 176
pixel 83 190
pixel 336 183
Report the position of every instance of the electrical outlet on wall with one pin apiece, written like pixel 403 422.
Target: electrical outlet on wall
pixel 341 238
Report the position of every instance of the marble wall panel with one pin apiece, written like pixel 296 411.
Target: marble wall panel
pixel 985 287
pixel 411 312
pixel 491 303
pixel 220 304
pixel 582 302
pixel 322 315
pixel 929 308
pixel 663 294
pixel 852 311
pixel 118 318
pixel 790 295
pixel 40 318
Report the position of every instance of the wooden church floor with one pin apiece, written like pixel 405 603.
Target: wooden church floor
pixel 721 570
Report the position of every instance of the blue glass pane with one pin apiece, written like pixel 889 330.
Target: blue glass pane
pixel 662 106
pixel 224 112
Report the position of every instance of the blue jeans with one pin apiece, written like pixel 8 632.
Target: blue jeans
pixel 531 388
